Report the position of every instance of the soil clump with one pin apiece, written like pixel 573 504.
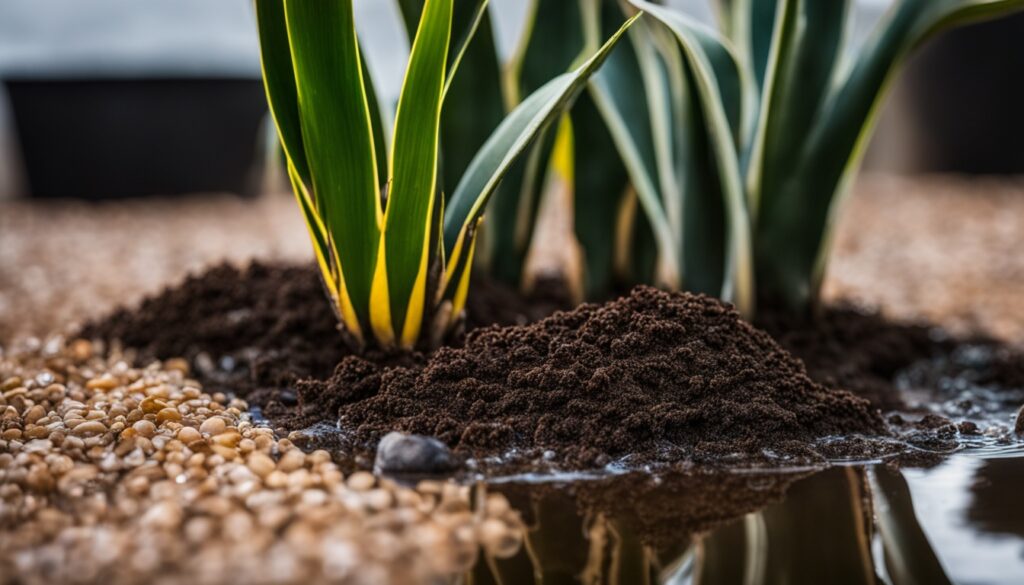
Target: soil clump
pixel 650 378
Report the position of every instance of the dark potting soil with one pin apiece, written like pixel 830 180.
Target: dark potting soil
pixel 655 376
pixel 860 351
pixel 254 331
pixel 652 377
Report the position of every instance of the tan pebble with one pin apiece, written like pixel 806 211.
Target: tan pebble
pixel 95 415
pixel 499 539
pixel 199 530
pixel 361 481
pixel 34 414
pixel 246 446
pixel 219 397
pixel 319 456
pixel 152 405
pixel 10 413
pixel 227 453
pixel 260 464
pixel 177 364
pixel 40 479
pixel 291 461
pixel 497 505
pixel 264 442
pixel 229 439
pixel 378 499
pixel 168 414
pixel 213 426
pixel 105 382
pixel 430 487
pixel 36 432
pixel 81 349
pixel 138 485
pixel 92 427
pixel 144 428
pixel 189 435
pixel 12 382
pixel 163 515
pixel 117 427
pixel 72 444
pixel 61 465
pixel 277 480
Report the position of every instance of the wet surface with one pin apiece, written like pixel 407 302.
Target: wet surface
pixel 957 519
pixel 957 522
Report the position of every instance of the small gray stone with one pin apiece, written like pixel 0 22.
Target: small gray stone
pixel 402 453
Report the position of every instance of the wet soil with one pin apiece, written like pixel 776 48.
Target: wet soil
pixel 846 347
pixel 652 377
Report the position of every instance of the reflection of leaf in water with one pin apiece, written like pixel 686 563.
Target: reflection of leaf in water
pixel 819 534
pixel 909 557
pixel 995 497
pixel 624 530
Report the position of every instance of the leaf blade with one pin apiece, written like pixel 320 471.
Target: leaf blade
pixel 512 138
pixel 337 136
pixel 406 235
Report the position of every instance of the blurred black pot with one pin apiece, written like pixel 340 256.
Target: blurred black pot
pixel 110 138
pixel 966 90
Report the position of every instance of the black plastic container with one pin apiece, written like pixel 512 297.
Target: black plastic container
pixel 111 138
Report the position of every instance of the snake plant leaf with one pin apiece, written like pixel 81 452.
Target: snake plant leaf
pixel 600 188
pixel 909 557
pixel 795 224
pixel 750 24
pixel 473 99
pixel 618 92
pixel 808 46
pixel 551 43
pixel 512 138
pixel 337 135
pixel 723 95
pixel 279 76
pixel 399 286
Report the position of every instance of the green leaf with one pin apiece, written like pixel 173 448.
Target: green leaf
pixel 549 46
pixel 800 74
pixel 473 100
pixel 750 24
pixel 722 92
pixel 279 81
pixel 618 92
pixel 406 236
pixel 795 224
pixel 512 138
pixel 338 136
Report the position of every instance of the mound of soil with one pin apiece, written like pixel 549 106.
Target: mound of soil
pixel 253 332
pixel 651 377
pixel 860 351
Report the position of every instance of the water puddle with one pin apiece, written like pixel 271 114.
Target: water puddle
pixel 957 522
pixel 958 519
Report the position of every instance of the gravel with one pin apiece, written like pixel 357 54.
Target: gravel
pixel 123 475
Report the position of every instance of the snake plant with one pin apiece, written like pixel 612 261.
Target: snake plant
pixel 394 248
pixel 740 141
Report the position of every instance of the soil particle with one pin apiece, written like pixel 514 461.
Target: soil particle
pixel 654 376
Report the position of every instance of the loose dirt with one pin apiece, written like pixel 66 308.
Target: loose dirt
pixel 653 377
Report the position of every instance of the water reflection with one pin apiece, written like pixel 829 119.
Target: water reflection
pixel 956 522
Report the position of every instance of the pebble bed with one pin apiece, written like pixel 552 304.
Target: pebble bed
pixel 115 474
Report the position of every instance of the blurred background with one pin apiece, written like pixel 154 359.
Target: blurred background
pixel 116 98
pixel 157 108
